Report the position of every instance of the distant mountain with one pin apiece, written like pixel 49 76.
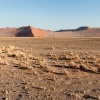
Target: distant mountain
pixel 29 31
pixel 78 29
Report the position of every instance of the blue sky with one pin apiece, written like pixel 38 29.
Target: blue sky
pixel 50 14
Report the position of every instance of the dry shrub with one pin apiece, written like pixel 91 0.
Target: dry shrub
pixel 91 57
pixel 30 56
pixel 71 53
pixel 24 65
pixel 99 69
pixel 34 58
pixel 45 66
pixel 3 56
pixel 0 50
pixel 66 72
pixel 42 54
pixel 20 54
pixel 49 54
pixel 3 62
pixel 83 66
pixel 65 63
pixel 41 59
pixel 11 47
pixel 54 57
pixel 64 57
pixel 36 62
pixel 3 48
pixel 17 54
pixel 7 50
pixel 52 48
pixel 86 68
pixel 48 68
pixel 76 57
pixel 12 51
pixel 93 69
pixel 72 64
pixel 11 54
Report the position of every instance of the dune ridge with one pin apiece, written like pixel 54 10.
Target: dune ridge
pixel 30 31
pixel 26 31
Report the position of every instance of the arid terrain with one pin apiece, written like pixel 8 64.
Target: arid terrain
pixel 49 68
pixel 30 31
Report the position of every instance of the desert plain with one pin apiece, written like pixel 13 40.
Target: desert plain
pixel 49 68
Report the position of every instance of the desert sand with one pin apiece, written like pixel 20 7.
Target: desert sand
pixel 25 31
pixel 30 31
pixel 49 68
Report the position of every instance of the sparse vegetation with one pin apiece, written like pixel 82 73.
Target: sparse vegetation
pixel 60 66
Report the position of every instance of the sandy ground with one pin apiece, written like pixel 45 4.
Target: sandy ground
pixel 49 68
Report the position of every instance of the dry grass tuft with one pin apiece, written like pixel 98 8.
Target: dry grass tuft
pixel 52 48
pixel 65 57
pixel 99 69
pixel 72 64
pixel 3 62
pixel 25 65
pixel 27 60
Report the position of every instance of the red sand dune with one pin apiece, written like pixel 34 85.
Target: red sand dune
pixel 79 32
pixel 22 32
pixel 36 32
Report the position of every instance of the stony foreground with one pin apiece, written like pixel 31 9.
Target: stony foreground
pixel 49 69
